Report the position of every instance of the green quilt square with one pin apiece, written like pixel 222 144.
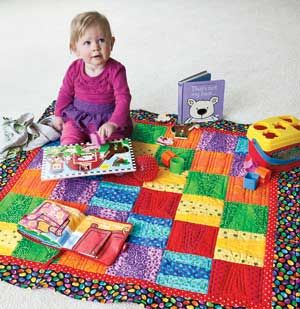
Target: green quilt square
pixel 186 154
pixel 32 251
pixel 212 185
pixel 245 217
pixel 147 133
pixel 14 206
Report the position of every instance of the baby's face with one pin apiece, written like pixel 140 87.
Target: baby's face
pixel 94 47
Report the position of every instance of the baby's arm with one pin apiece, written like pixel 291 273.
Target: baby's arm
pixel 122 95
pixel 66 92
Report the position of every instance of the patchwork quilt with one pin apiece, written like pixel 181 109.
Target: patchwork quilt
pixel 200 240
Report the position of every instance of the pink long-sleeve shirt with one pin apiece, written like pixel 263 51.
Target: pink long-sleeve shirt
pixel 110 86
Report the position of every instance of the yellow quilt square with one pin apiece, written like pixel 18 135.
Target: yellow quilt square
pixel 167 181
pixel 140 148
pixel 200 210
pixel 9 238
pixel 240 247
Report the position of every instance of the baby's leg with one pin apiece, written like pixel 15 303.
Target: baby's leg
pixel 72 135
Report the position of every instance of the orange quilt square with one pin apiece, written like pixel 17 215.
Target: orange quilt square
pixel 212 162
pixel 237 193
pixel 30 184
pixel 77 261
pixel 191 142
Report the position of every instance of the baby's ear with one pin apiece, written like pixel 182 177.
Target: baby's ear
pixel 113 39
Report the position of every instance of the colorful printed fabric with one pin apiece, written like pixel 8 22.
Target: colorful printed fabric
pixel 200 240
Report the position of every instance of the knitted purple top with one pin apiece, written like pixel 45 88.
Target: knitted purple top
pixel 110 86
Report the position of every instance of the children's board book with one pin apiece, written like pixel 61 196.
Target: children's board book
pixel 86 159
pixel 67 229
pixel 200 99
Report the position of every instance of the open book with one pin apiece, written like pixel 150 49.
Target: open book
pixel 86 159
pixel 66 228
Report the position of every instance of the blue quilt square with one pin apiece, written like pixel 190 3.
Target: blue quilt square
pixel 149 231
pixel 185 271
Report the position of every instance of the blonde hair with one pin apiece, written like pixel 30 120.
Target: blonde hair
pixel 83 21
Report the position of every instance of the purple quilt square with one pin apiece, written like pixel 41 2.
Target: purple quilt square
pixel 78 190
pixel 36 163
pixel 237 167
pixel 220 142
pixel 107 213
pixel 137 262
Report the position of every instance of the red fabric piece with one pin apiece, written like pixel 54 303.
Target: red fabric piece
pixel 236 281
pixel 193 238
pixel 157 203
pixel 125 179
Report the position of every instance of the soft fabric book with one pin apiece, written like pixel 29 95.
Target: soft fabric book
pixel 66 228
pixel 87 159
pixel 200 99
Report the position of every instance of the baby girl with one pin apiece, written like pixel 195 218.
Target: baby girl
pixel 94 97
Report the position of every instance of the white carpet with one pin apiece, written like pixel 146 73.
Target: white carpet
pixel 253 45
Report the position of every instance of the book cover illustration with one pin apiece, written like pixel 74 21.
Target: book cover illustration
pixel 67 228
pixel 87 159
pixel 200 101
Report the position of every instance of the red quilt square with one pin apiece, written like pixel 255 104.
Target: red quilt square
pixel 193 238
pixel 157 203
pixel 125 179
pixel 238 282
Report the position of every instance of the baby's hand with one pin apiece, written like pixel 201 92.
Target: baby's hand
pixel 58 123
pixel 106 130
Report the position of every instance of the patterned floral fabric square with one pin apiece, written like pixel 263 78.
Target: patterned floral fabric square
pixel 216 141
pixel 137 262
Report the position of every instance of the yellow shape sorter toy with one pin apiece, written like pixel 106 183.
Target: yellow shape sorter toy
pixel 275 132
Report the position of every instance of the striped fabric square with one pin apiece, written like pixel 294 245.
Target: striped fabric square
pixel 115 196
pixel 149 231
pixel 157 203
pixel 193 238
pixel 240 247
pixel 200 209
pixel 185 272
pixel 212 162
